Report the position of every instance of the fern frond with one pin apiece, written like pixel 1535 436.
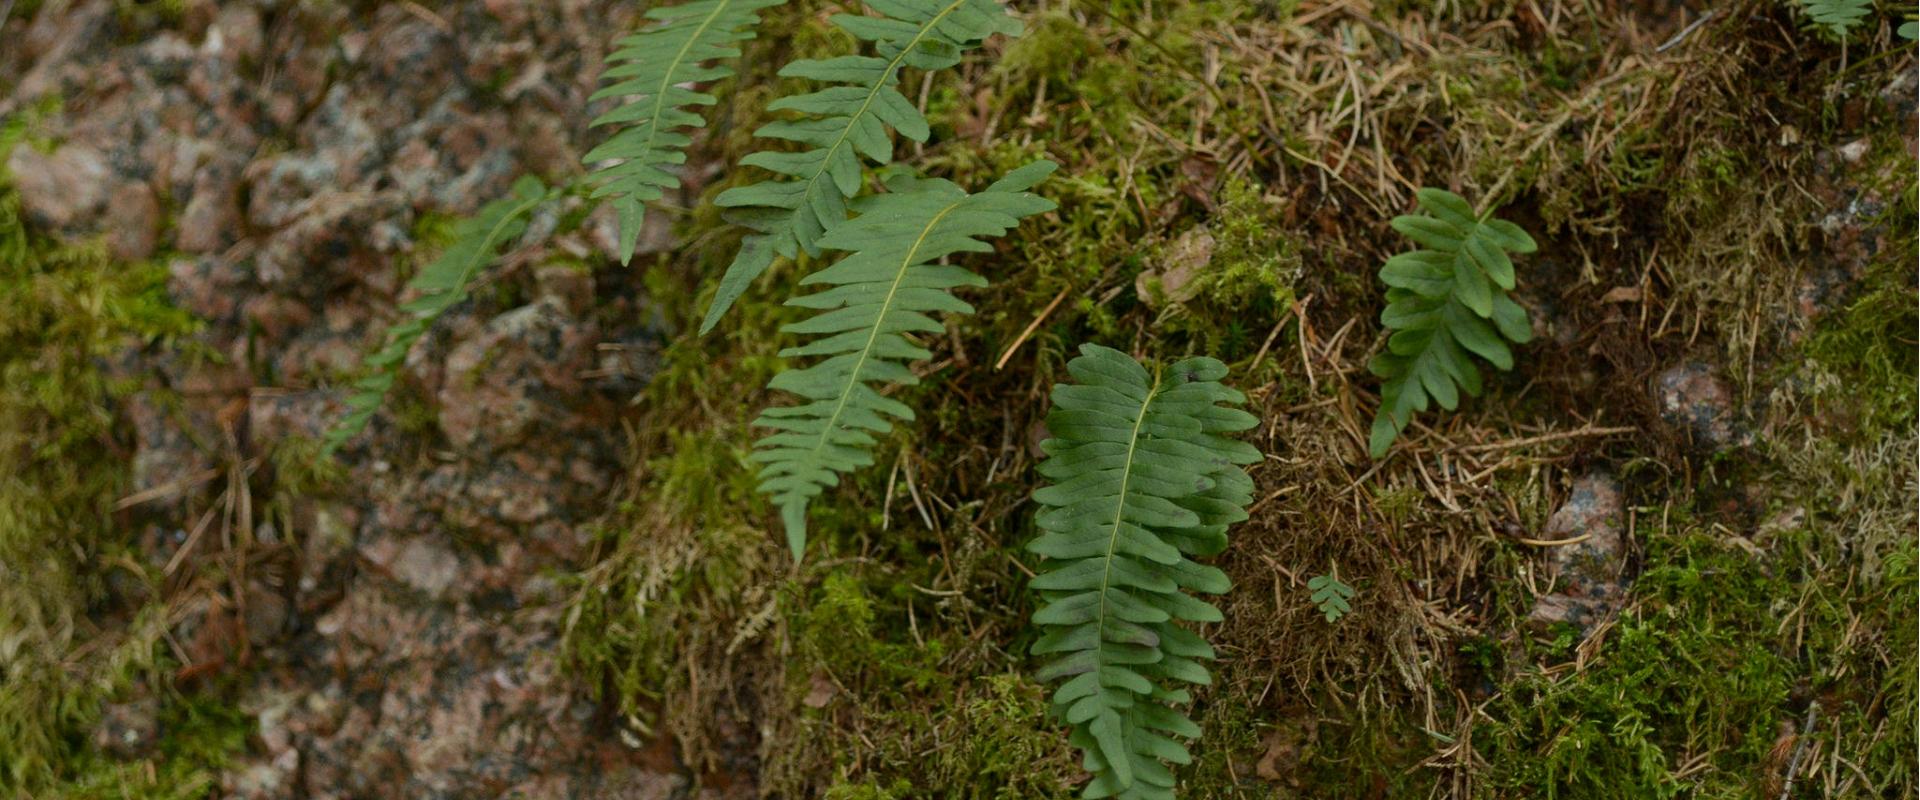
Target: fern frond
pixel 1444 303
pixel 1331 596
pixel 840 124
pixel 1143 479
pixel 476 243
pixel 886 288
pixel 1837 16
pixel 653 69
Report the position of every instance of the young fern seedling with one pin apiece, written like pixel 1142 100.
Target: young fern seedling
pixel 650 68
pixel 886 288
pixel 1837 16
pixel 476 243
pixel 1443 303
pixel 1331 596
pixel 1143 480
pixel 842 123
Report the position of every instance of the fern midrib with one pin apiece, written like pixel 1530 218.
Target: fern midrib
pixel 666 80
pixel 1119 515
pixel 873 336
pixel 853 119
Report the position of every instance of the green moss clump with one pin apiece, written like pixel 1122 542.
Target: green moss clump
pixel 1693 669
pixel 79 621
pixel 198 738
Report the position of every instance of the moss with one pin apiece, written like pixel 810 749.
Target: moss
pixel 1870 344
pixel 871 790
pixel 988 738
pixel 138 16
pixel 1249 275
pixel 1691 671
pixel 79 621
pixel 198 739
pixel 891 661
pixel 1698 678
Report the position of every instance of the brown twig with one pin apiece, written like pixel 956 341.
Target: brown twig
pixel 1548 437
pixel 1799 749
pixel 1031 327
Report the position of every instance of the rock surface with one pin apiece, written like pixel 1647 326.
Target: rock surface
pixel 397 633
pixel 1695 400
pixel 1588 570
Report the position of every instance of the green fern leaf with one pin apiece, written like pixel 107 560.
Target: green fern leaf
pixel 1837 16
pixel 476 243
pixel 652 68
pixel 1143 479
pixel 1445 303
pixel 842 123
pixel 885 289
pixel 1331 596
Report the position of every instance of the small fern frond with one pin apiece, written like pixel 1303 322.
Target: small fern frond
pixel 886 288
pixel 1444 303
pixel 1143 479
pixel 1331 596
pixel 653 68
pixel 1837 16
pixel 840 124
pixel 476 243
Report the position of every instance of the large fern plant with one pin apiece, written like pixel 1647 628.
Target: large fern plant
pixel 477 241
pixel 1445 303
pixel 839 124
pixel 654 69
pixel 887 288
pixel 1144 480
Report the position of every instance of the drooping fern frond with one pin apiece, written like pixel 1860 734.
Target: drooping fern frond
pixel 1444 303
pixel 840 124
pixel 476 243
pixel 1143 479
pixel 652 68
pixel 1837 16
pixel 885 289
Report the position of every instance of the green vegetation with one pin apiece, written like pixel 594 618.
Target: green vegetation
pixel 844 123
pixel 651 68
pixel 1333 598
pixel 886 287
pixel 1144 479
pixel 1290 144
pixel 1837 16
pixel 475 243
pixel 81 616
pixel 1230 176
pixel 1444 304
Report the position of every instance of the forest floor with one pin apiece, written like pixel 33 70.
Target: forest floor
pixel 1672 553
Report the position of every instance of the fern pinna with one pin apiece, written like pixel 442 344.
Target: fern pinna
pixel 885 289
pixel 842 123
pixel 1837 16
pixel 1144 479
pixel 652 69
pixel 476 243
pixel 1443 303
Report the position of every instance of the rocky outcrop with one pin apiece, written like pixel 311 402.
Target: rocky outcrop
pixel 397 629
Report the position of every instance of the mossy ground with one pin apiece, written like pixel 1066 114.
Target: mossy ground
pixel 1766 580
pixel 1774 586
pixel 82 615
